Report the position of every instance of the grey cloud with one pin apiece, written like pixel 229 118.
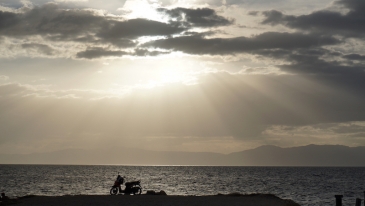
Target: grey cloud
pixel 325 21
pixel 335 74
pixel 359 135
pixel 145 52
pixel 201 17
pixel 309 62
pixel 111 5
pixel 268 40
pixel 354 5
pixel 17 4
pixel 304 52
pixel 84 26
pixel 8 19
pixel 331 73
pixel 138 27
pixel 253 13
pixel 354 57
pixel 41 48
pixel 337 128
pixel 11 3
pixel 260 3
pixel 99 52
pixel 351 127
pixel 49 19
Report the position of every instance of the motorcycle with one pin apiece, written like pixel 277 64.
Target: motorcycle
pixel 134 188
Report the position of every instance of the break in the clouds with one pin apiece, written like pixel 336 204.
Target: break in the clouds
pixel 235 74
pixel 201 17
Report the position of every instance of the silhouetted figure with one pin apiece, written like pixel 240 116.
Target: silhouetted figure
pixel 120 181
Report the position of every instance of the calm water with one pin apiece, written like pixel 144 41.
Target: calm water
pixel 305 185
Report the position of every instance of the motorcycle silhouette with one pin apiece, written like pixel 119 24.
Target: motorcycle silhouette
pixel 134 187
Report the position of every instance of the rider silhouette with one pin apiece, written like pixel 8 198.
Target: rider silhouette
pixel 120 181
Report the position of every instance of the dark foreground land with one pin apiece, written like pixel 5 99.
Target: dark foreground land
pixel 152 200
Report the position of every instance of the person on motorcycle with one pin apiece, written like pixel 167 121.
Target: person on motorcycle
pixel 120 181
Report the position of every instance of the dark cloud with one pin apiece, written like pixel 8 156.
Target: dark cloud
pixel 94 53
pixel 7 20
pixel 268 40
pixel 111 6
pixel 135 28
pixel 350 24
pixel 357 57
pixel 355 6
pixel 201 17
pixel 145 52
pixel 85 26
pixel 50 20
pixel 303 52
pixel 97 52
pixel 343 76
pixel 311 63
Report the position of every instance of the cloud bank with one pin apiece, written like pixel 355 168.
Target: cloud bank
pixel 291 72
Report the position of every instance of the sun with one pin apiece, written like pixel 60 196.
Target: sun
pixel 165 77
pixel 143 9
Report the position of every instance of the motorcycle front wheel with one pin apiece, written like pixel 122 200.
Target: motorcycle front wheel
pixel 137 191
pixel 114 191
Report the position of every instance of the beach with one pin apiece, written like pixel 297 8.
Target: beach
pixel 152 200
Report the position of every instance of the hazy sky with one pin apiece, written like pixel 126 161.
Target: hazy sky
pixel 181 75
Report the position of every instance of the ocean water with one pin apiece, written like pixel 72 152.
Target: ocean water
pixel 305 185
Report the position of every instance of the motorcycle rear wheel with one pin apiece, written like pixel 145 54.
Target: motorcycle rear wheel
pixel 114 191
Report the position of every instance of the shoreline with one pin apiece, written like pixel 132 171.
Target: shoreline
pixel 152 200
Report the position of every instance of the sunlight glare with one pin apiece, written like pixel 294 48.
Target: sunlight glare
pixel 143 9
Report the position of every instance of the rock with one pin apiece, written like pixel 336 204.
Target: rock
pixel 151 192
pixel 162 192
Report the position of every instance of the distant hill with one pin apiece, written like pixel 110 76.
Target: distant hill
pixel 311 155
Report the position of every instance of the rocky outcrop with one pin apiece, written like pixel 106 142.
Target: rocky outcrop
pixel 151 192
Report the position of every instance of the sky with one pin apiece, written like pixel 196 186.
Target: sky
pixel 181 75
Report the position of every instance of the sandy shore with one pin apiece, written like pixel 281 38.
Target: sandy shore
pixel 153 200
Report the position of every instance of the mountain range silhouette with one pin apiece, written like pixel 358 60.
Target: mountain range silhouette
pixel 267 155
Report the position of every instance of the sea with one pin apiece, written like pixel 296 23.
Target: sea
pixel 304 185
